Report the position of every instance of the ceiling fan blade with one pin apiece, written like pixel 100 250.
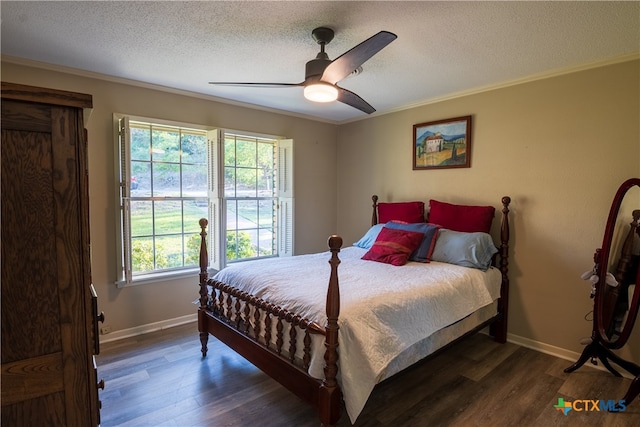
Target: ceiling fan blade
pixel 271 85
pixel 347 97
pixel 346 63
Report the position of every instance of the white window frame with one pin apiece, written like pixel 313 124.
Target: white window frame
pixel 217 216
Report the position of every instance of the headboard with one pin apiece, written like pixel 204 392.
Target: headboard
pixel 464 218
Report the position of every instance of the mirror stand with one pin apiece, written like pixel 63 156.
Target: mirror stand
pixel 617 302
pixel 595 351
pixel 599 349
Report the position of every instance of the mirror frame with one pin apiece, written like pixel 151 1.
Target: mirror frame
pixel 602 259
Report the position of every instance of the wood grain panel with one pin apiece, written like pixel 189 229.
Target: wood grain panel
pixel 42 411
pixel 26 117
pixel 28 248
pixel 31 378
pixel 46 96
pixel 68 170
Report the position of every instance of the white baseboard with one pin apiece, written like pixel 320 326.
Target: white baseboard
pixel 150 327
pixel 543 348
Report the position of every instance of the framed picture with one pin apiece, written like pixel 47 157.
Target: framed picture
pixel 442 144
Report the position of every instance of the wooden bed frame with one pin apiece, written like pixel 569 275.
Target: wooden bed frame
pixel 237 319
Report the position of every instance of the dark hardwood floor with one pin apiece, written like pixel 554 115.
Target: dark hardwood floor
pixel 160 379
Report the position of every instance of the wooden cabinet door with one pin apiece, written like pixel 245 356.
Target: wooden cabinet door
pixel 47 369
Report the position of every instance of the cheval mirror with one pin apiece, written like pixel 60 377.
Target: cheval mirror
pixel 617 290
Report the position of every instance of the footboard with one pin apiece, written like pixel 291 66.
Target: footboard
pixel 257 319
pixel 274 339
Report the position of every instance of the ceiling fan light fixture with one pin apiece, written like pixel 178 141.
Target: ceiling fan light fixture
pixel 321 92
pixel 322 74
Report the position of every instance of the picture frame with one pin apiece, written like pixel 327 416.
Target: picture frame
pixel 442 144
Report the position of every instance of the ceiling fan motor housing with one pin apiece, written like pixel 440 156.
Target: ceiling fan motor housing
pixel 315 67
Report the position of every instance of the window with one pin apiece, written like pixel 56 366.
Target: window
pixel 249 196
pixel 172 175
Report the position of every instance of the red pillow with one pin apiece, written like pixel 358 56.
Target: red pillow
pixel 393 246
pixel 410 212
pixel 468 219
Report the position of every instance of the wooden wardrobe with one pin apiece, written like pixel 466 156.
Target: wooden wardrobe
pixel 49 313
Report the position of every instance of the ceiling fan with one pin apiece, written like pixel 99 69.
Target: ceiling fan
pixel 323 74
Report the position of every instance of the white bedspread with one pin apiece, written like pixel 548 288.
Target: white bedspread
pixel 383 309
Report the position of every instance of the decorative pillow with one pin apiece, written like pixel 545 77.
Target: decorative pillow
pixel 393 246
pixel 473 250
pixel 461 217
pixel 401 211
pixel 425 249
pixel 369 238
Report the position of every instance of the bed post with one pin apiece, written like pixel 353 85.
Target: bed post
pixel 329 405
pixel 204 264
pixel 374 216
pixel 499 328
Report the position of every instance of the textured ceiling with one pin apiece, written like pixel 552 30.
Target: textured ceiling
pixel 443 48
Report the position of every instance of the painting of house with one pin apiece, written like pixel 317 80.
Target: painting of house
pixel 434 143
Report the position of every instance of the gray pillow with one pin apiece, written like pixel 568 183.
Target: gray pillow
pixel 473 250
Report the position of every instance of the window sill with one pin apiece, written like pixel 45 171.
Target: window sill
pixel 148 279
